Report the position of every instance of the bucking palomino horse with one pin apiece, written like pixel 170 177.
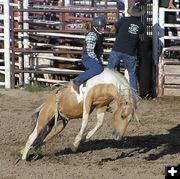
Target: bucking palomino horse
pixel 108 90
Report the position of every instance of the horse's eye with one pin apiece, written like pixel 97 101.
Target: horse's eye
pixel 123 116
pixel 126 103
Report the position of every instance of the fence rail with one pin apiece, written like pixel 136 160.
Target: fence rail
pixel 70 42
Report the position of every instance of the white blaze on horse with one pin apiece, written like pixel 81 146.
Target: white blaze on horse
pixel 107 89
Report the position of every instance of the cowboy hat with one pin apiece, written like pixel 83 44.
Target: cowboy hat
pixel 136 11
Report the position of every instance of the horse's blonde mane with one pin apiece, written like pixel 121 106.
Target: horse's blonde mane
pixel 125 89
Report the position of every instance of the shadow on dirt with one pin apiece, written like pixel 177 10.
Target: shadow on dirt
pixel 158 145
pixel 155 146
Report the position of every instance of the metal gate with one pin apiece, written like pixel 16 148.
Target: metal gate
pixel 169 59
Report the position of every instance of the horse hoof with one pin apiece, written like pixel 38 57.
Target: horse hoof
pixel 73 148
pixel 22 151
pixel 16 158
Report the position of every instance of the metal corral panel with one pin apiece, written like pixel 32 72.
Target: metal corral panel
pixel 172 69
pixel 172 79
pixel 171 92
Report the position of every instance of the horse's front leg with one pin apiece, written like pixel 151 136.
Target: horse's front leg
pixel 78 138
pixel 100 119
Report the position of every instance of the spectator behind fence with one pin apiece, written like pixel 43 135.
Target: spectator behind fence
pixel 126 43
pixel 170 17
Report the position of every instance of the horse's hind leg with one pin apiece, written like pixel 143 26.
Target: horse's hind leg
pixel 45 115
pixel 29 143
pixel 55 130
pixel 100 119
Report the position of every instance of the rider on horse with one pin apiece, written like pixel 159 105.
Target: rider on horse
pixel 92 56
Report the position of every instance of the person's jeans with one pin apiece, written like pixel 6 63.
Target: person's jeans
pixel 130 63
pixel 93 67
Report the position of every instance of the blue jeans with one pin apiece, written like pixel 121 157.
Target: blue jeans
pixel 130 63
pixel 93 68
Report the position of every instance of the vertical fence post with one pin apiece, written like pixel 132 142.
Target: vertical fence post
pixel 126 7
pixel 20 44
pixel 155 42
pixel 26 40
pixel 161 27
pixel 155 29
pixel 160 47
pixel 66 2
pixel 7 44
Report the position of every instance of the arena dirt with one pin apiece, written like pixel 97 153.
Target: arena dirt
pixel 143 153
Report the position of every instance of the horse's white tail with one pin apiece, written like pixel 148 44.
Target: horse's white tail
pixel 36 113
pixel 56 110
pixel 37 110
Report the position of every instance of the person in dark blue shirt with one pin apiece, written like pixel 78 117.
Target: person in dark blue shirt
pixel 125 46
pixel 92 56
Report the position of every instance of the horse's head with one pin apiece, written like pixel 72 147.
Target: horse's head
pixel 122 116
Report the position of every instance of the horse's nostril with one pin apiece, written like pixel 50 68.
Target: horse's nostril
pixel 116 135
pixel 123 116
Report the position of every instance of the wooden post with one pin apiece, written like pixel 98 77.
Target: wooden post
pixel 7 44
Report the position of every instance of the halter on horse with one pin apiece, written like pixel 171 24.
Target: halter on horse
pixel 107 89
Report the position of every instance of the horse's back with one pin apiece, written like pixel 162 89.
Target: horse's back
pixel 109 76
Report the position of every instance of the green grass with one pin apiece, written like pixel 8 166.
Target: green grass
pixel 31 88
pixel 2 78
pixel 36 88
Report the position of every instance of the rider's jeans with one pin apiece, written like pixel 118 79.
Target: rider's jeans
pixel 93 67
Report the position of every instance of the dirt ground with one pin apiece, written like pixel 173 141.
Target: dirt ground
pixel 143 153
